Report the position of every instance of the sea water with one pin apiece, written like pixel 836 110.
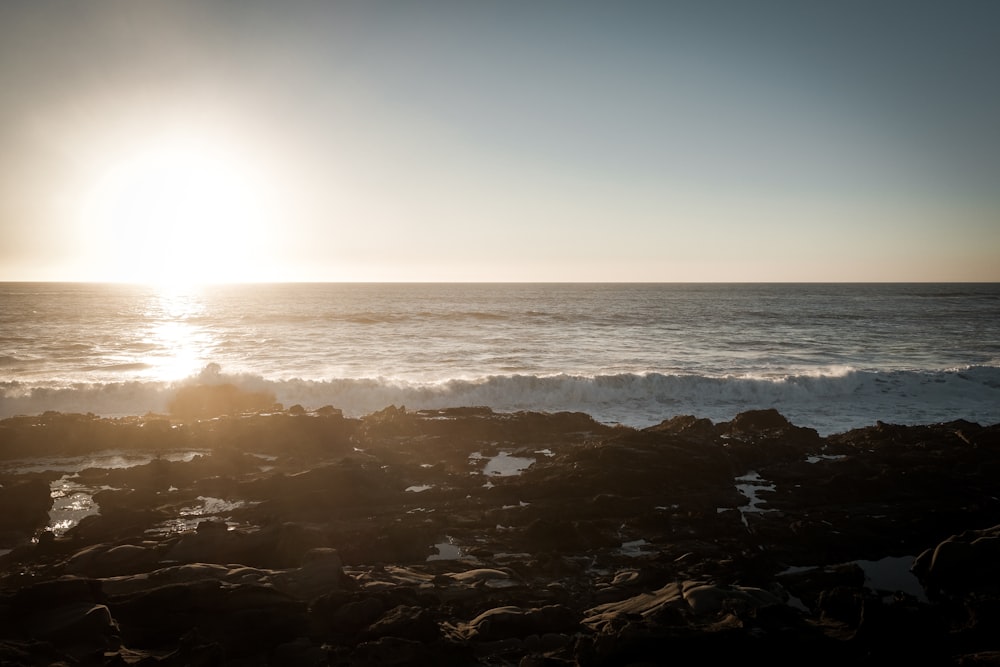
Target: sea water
pixel 827 356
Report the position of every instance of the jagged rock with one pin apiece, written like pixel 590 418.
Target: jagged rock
pixel 319 554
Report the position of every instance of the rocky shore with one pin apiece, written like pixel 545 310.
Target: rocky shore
pixel 468 537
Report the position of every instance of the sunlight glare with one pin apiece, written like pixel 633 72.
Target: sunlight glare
pixel 180 212
pixel 179 345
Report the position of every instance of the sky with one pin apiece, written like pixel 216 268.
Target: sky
pixel 542 140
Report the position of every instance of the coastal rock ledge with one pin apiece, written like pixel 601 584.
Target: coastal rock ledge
pixel 469 537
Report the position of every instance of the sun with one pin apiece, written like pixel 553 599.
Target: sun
pixel 177 211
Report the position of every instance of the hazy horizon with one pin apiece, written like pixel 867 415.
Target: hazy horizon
pixel 692 142
pixel 202 284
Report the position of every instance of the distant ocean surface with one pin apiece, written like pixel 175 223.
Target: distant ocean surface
pixel 828 356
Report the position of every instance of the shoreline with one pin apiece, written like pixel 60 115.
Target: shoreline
pixel 831 400
pixel 468 536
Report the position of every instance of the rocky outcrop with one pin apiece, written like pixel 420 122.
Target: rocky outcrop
pixel 465 537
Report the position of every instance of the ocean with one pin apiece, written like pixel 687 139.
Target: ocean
pixel 828 356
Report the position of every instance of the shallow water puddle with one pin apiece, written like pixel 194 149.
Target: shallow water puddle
pixel 71 502
pixel 886 575
pixel 503 464
pixel 751 484
pixel 634 548
pixel 189 517
pixel 446 551
pixel 825 457
pixel 892 574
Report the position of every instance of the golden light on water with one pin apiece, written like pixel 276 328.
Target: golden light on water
pixel 179 346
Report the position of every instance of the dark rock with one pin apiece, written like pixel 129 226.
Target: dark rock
pixel 25 505
pixel 511 621
pixel 616 546
pixel 962 563
pixel 414 623
pixel 104 560
pixel 550 534
pixel 300 652
pixel 242 618
pixel 78 627
pixel 356 615
pixel 278 546
pixel 392 651
pixel 841 604
pixel 980 659
pixel 757 421
pixel 67 612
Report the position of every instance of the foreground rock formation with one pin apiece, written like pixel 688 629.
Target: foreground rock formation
pixel 466 537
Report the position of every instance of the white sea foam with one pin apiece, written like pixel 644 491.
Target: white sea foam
pixel 833 402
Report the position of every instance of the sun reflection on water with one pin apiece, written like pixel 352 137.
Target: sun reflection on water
pixel 180 345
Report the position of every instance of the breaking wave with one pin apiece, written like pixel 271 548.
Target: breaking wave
pixel 832 400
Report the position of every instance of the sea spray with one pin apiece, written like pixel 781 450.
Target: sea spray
pixel 828 403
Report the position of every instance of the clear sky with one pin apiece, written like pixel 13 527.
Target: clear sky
pixel 703 140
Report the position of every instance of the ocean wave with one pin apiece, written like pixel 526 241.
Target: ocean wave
pixel 383 317
pixel 830 400
pixel 123 367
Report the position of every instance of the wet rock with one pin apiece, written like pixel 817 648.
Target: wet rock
pixel 707 599
pixel 844 605
pixel 24 505
pixel 29 653
pixel 392 651
pixel 979 659
pixel 616 546
pixel 686 425
pixel 76 627
pixel 759 421
pixel 66 612
pixel 550 534
pixel 407 622
pixel 301 652
pixel 244 618
pixel 511 621
pixel 962 563
pixel 761 438
pixel 356 615
pixel 321 572
pixel 279 546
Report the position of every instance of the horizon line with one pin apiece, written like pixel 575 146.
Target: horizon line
pixel 496 282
